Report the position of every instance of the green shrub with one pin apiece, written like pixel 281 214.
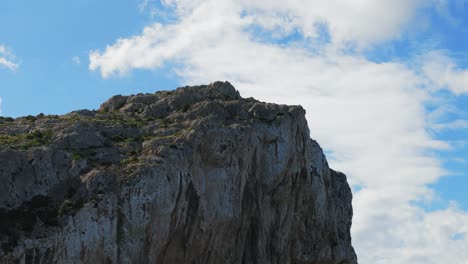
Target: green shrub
pixel 6 121
pixel 38 138
pixel 66 208
pixel 76 155
pixel 30 118
pixel 26 141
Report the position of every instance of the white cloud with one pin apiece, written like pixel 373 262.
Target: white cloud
pixel 351 23
pixel 362 21
pixel 370 115
pixel 444 73
pixel 435 237
pixel 1 106
pixel 149 7
pixel 455 124
pixel 6 59
pixel 8 64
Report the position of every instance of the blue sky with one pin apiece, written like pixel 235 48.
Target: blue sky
pixel 45 38
pixel 382 84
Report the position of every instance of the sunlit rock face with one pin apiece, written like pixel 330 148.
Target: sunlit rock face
pixel 195 175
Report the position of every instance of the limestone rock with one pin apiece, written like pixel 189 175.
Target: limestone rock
pixel 195 175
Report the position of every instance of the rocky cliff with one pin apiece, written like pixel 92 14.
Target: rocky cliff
pixel 195 175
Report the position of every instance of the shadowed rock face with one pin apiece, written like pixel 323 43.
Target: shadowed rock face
pixel 195 175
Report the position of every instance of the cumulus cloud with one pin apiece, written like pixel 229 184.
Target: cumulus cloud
pixel 371 116
pixel 6 59
pixel 364 22
pixel 350 23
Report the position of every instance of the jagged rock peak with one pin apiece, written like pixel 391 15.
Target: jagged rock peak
pixel 194 175
pixel 185 95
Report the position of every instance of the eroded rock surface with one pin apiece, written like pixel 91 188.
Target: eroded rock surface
pixel 195 175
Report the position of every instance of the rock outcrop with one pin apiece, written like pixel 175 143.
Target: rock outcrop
pixel 195 175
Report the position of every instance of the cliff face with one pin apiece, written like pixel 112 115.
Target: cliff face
pixel 195 175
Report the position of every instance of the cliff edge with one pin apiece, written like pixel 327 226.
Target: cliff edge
pixel 195 175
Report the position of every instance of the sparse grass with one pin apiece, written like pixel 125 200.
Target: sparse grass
pixel 122 141
pixel 9 140
pixel 6 121
pixel 117 138
pixel 166 137
pixel 133 139
pixel 165 123
pixel 113 118
pixel 26 141
pixel 148 137
pixel 52 116
pixel 134 153
pixel 130 160
pixel 30 118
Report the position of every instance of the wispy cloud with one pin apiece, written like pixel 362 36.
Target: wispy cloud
pixel 371 115
pixel 444 73
pixel 456 124
pixel 7 59
pixel 149 6
pixel 76 60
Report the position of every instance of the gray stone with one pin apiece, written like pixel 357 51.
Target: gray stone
pixel 196 175
pixel 114 103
